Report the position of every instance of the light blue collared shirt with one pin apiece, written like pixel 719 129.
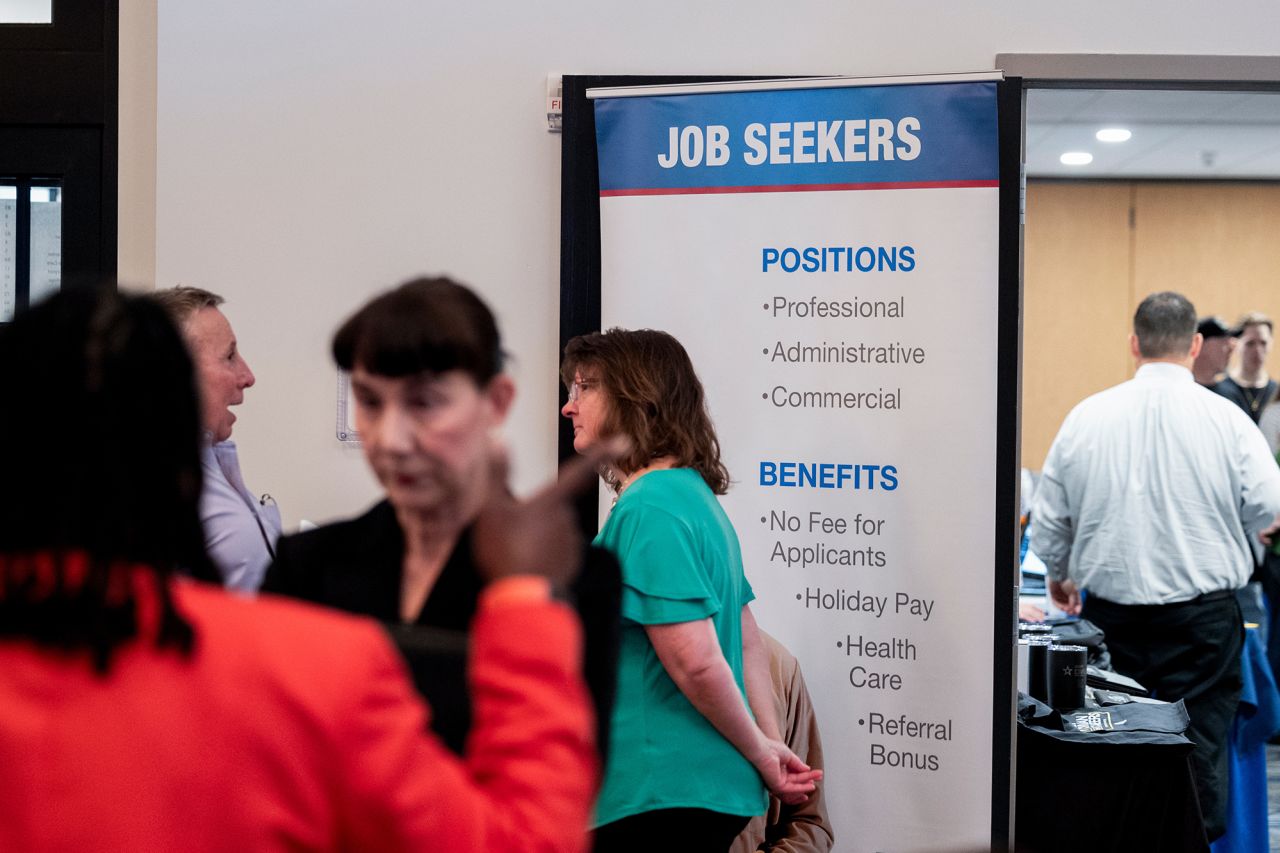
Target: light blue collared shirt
pixel 240 530
pixel 1154 492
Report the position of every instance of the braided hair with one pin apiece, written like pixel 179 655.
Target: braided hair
pixel 102 473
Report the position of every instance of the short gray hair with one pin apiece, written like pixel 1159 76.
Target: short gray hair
pixel 182 302
pixel 1165 323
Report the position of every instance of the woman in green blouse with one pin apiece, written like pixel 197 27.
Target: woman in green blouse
pixel 689 763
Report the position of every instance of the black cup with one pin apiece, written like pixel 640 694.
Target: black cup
pixel 1038 665
pixel 1068 669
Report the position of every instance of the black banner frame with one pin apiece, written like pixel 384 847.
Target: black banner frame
pixel 580 314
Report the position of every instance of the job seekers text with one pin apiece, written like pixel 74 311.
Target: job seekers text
pixel 779 143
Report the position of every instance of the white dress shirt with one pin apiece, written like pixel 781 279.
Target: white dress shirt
pixel 1154 492
pixel 240 530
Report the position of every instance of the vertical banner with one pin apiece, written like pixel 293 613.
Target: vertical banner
pixel 828 252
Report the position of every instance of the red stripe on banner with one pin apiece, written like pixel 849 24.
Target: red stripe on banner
pixel 803 188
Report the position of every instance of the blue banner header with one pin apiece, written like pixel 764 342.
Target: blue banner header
pixel 857 137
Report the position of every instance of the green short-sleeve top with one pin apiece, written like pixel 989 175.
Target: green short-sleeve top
pixel 680 563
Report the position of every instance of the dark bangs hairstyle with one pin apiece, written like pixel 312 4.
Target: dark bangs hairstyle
pixel 653 397
pixel 427 325
pixel 102 472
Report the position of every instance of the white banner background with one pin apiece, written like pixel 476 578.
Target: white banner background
pixel 691 265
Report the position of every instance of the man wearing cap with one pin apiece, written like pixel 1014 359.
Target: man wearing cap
pixel 1215 352
pixel 1152 498
pixel 1249 386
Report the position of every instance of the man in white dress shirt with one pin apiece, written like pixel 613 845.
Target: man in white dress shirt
pixel 240 530
pixel 1152 499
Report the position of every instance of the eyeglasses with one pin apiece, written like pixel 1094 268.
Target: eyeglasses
pixel 579 386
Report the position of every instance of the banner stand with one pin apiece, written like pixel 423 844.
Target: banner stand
pixel 993 376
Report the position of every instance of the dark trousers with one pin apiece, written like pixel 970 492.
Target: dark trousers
pixel 671 831
pixel 1189 651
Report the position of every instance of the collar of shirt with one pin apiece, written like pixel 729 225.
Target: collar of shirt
pixel 1164 371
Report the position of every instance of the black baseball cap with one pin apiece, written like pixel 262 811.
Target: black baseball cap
pixel 1214 327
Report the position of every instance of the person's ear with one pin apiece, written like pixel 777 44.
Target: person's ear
pixel 501 393
pixel 1197 342
pixel 1134 350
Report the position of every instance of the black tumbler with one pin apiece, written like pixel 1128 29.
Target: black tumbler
pixel 1068 669
pixel 1038 665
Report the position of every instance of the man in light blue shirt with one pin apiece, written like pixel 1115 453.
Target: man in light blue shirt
pixel 240 530
pixel 1152 498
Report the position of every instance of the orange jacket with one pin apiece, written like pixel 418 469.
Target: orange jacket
pixel 292 727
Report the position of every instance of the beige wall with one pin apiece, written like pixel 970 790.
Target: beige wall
pixel 137 115
pixel 308 155
pixel 1094 250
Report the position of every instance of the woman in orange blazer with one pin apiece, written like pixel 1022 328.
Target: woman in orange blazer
pixel 139 711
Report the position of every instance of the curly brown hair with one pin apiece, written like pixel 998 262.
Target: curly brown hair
pixel 654 398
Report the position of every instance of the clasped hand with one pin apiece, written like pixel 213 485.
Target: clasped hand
pixel 786 776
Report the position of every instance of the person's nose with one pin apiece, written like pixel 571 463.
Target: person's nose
pixel 246 375
pixel 569 409
pixel 395 430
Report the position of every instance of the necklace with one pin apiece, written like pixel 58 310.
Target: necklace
pixel 1254 397
pixel 657 465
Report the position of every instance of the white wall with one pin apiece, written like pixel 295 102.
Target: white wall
pixel 311 154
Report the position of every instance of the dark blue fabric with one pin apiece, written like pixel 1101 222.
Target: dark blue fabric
pixel 1257 719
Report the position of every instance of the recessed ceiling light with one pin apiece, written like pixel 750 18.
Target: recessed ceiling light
pixel 1114 134
pixel 1076 158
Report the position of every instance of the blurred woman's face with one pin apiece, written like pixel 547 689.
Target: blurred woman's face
pixel 586 408
pixel 427 437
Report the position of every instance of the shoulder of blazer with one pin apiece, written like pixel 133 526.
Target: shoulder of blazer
pixel 374 537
